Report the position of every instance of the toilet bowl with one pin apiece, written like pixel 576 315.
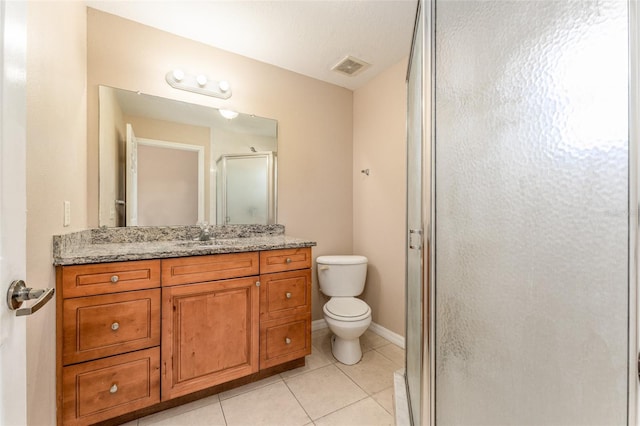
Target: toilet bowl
pixel 343 278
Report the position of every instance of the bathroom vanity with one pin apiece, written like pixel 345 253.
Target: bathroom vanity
pixel 148 318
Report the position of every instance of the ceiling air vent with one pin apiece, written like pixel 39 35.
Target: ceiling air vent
pixel 350 66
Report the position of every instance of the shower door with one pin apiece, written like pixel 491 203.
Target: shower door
pixel 535 213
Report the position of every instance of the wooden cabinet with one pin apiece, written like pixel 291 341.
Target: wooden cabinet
pixel 209 334
pixel 285 306
pixel 136 335
pixel 108 351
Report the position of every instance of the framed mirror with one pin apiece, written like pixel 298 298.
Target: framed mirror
pixel 165 162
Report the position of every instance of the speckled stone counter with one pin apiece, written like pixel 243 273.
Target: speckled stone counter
pixel 157 242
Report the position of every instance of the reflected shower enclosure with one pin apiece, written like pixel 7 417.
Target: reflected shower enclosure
pixel 522 176
pixel 246 188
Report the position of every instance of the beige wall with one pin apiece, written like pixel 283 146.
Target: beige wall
pixel 314 121
pixel 56 171
pixel 379 200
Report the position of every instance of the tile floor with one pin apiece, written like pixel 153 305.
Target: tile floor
pixel 323 392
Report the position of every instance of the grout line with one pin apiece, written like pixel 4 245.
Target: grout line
pixel 298 401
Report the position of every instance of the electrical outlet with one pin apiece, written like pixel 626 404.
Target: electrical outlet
pixel 67 213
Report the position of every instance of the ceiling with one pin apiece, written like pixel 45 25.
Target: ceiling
pixel 305 36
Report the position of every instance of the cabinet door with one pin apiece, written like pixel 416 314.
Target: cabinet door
pixel 209 334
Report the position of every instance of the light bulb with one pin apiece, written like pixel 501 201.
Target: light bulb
pixel 178 75
pixel 202 80
pixel 224 85
pixel 228 114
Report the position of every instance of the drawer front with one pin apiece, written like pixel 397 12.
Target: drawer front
pixel 98 390
pixel 89 280
pixel 284 340
pixel 99 326
pixel 285 260
pixel 197 269
pixel 284 294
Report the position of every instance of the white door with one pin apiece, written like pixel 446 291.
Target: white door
pixel 132 178
pixel 13 401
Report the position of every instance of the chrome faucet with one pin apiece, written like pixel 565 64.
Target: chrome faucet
pixel 205 232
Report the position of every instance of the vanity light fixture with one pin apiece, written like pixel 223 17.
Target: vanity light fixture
pixel 228 114
pixel 178 79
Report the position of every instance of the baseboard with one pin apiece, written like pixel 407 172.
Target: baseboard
pixel 394 338
pixel 318 324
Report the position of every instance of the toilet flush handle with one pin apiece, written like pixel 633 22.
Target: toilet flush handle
pixel 323 268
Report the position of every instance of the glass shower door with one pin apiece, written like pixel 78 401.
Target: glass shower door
pixel 532 258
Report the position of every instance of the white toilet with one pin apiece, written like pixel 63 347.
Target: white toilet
pixel 342 278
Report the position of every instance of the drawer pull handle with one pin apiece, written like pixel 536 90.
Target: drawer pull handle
pixel 115 279
pixel 287 340
pixel 288 260
pixel 287 295
pixel 115 326
pixel 113 389
pixel 257 283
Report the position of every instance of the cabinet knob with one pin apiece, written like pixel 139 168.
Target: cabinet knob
pixel 113 388
pixel 287 340
pixel 257 283
pixel 287 295
pixel 115 326
pixel 115 279
pixel 288 260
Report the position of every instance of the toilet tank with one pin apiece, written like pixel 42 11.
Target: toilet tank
pixel 341 276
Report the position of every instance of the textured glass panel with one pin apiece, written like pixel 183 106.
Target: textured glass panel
pixel 415 326
pixel 531 212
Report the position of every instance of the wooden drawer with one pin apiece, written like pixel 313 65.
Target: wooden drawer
pixel 284 340
pixel 285 260
pixel 102 278
pixel 99 326
pixel 98 390
pixel 197 269
pixel 284 294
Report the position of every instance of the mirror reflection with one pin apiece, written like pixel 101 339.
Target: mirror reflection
pixel 166 162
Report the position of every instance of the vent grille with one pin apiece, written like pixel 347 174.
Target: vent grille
pixel 350 66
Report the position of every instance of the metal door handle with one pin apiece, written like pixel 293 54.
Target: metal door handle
pixel 18 293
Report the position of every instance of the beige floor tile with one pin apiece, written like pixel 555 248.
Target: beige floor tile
pixel 385 399
pixel 373 373
pixel 393 352
pixel 363 413
pixel 131 423
pixel 203 415
pixel 312 362
pixel 324 390
pixel 272 405
pixel 370 340
pixel 250 386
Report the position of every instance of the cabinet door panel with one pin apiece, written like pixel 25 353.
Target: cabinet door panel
pixel 101 278
pixel 284 340
pixel 98 390
pixel 196 269
pixel 285 260
pixel 210 334
pixel 99 326
pixel 285 294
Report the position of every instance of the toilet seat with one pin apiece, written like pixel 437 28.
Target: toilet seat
pixel 346 309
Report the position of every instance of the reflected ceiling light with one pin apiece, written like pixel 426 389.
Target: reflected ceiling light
pixel 228 114
pixel 178 79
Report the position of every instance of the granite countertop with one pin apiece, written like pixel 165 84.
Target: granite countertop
pixel 122 244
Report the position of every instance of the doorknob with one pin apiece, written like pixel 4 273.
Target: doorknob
pixel 18 293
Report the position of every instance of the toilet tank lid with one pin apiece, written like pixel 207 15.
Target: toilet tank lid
pixel 341 260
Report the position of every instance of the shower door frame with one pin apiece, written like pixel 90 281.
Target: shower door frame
pixel 427 409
